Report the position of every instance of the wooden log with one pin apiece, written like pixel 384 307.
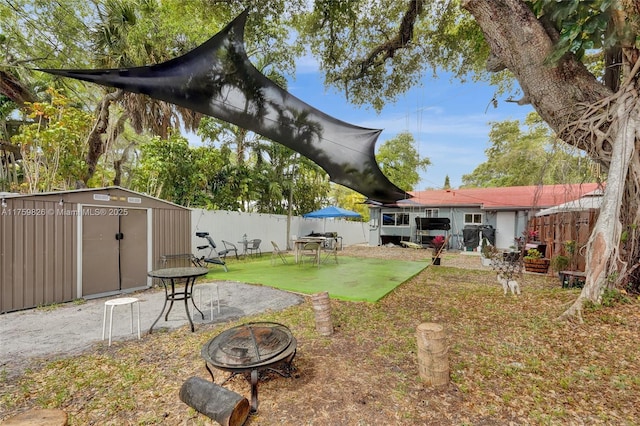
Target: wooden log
pixel 433 360
pixel 322 310
pixel 220 404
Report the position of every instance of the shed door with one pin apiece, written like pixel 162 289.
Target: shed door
pixel 133 249
pixel 114 251
pixel 100 269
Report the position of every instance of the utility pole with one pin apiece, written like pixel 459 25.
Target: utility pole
pixel 290 203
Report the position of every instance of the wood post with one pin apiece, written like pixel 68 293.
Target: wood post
pixel 433 361
pixel 322 310
pixel 220 404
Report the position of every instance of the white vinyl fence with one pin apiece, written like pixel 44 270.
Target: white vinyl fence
pixel 232 226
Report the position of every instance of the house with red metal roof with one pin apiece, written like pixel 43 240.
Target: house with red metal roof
pixel 468 214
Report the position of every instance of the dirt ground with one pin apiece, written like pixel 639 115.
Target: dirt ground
pixel 454 259
pixel 511 363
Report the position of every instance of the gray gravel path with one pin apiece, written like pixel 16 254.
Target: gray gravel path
pixel 72 328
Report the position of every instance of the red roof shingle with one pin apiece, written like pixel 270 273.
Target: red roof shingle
pixel 511 197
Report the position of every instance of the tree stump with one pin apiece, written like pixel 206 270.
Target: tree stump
pixel 220 404
pixel 433 361
pixel 47 417
pixel 322 310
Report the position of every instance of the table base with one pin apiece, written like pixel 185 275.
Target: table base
pixel 173 296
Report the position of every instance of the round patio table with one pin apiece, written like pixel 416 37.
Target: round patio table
pixel 170 277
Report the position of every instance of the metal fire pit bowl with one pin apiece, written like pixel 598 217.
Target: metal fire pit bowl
pixel 251 348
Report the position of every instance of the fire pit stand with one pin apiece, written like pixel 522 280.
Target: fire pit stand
pixel 251 348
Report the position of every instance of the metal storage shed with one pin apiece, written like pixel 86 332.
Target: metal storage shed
pixel 59 246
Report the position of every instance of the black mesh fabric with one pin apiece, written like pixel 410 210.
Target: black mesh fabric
pixel 218 80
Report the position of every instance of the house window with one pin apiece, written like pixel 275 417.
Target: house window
pixel 431 212
pixel 395 219
pixel 473 219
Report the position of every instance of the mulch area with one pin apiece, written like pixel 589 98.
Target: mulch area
pixel 454 259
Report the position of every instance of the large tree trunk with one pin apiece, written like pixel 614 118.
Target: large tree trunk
pixel 604 261
pixel 119 163
pixel 584 113
pixel 95 140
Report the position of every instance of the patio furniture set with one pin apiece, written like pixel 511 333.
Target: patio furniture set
pixel 251 348
pixel 308 249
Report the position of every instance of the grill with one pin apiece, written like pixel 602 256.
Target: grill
pixel 251 348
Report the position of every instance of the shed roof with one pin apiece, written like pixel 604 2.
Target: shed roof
pixel 503 198
pixel 8 195
pixel 592 200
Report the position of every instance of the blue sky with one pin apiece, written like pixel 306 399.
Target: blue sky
pixel 449 120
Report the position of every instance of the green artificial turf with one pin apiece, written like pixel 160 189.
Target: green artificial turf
pixel 356 279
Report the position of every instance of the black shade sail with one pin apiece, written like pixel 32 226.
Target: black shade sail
pixel 217 79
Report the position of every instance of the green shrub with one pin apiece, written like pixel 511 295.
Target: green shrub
pixel 559 262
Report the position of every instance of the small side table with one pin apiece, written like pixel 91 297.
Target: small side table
pixel 244 244
pixel 119 302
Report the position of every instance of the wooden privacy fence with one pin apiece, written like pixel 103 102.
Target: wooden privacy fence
pixel 556 229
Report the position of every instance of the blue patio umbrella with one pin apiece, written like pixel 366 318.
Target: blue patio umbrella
pixel 331 211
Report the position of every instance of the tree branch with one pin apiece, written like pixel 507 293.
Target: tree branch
pixel 12 88
pixel 380 54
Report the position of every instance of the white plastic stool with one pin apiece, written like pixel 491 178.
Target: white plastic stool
pixel 116 302
pixel 209 288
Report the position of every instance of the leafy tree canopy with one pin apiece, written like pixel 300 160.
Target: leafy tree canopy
pixel 52 145
pixel 530 157
pixel 400 162
pixel 376 50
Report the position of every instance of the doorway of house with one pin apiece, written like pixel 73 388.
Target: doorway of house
pixel 505 229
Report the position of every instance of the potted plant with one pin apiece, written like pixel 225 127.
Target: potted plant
pixel 559 263
pixel 532 236
pixel 572 276
pixel 570 247
pixel 535 262
pixel 528 237
pixel 437 242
